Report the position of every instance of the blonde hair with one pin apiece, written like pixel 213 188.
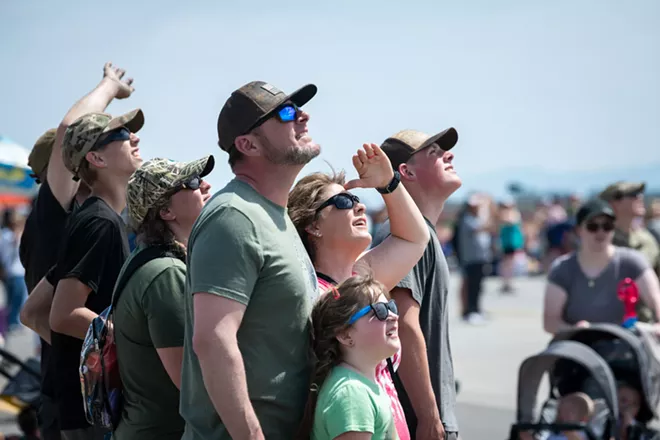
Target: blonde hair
pixel 579 405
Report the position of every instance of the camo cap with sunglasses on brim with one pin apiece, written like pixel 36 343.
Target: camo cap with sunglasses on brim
pixel 152 183
pixel 252 105
pixel 622 189
pixel 401 146
pixel 84 132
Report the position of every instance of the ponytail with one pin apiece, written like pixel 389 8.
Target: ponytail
pixel 322 368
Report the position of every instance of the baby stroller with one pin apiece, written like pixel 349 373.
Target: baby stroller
pixel 591 360
pixel 23 387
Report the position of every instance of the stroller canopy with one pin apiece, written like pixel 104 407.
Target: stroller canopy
pixel 624 350
pixel 533 368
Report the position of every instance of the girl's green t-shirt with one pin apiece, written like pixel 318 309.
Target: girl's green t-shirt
pixel 349 401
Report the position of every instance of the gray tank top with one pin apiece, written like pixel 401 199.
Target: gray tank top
pixel 595 299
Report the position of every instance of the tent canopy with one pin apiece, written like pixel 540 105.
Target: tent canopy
pixel 16 185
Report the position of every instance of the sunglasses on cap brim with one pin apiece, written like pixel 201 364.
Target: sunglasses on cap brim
pixel 629 194
pixel 381 311
pixel 340 201
pixel 119 134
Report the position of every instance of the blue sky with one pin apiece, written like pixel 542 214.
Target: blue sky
pixel 553 86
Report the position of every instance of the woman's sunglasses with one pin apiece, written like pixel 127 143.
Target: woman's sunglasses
pixel 193 183
pixel 340 201
pixel 381 310
pixel 595 226
pixel 119 134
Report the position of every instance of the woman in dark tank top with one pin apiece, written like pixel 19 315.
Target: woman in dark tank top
pixel 582 286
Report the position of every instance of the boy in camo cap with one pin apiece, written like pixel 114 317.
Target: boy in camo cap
pixel 58 197
pixel 102 150
pixel 164 200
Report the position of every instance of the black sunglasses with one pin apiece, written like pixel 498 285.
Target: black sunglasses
pixel 631 195
pixel 119 134
pixel 381 310
pixel 607 226
pixel 192 183
pixel 340 201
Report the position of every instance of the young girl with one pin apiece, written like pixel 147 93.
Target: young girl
pixel 354 329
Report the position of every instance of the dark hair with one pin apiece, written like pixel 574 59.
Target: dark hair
pixel 8 219
pixel 330 317
pixel 235 156
pixel 304 200
pixel 27 421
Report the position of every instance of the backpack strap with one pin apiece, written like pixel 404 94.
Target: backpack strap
pixel 139 260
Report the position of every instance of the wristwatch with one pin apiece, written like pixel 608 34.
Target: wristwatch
pixel 392 185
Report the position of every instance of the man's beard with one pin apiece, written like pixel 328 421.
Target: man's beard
pixel 290 156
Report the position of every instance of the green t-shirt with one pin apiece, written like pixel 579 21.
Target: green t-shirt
pixel 149 315
pixel 244 247
pixel 348 401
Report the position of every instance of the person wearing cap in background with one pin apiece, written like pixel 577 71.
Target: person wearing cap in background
pixel 627 202
pixel 102 151
pixel 58 196
pixel 164 199
pixel 582 286
pixel 250 284
pixel 425 378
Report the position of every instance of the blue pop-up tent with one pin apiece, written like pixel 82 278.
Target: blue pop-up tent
pixel 17 187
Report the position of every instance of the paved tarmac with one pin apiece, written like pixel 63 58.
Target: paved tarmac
pixel 486 358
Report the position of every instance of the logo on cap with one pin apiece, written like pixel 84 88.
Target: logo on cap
pixel 271 89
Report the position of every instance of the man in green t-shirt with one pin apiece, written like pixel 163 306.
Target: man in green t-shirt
pixel 250 285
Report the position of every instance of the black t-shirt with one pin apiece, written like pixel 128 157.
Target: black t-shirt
pixel 41 238
pixel 93 252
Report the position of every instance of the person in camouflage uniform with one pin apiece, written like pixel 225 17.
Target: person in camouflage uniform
pixel 164 199
pixel 627 202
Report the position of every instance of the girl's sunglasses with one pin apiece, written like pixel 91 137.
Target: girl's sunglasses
pixel 381 310
pixel 120 134
pixel 340 201
pixel 595 227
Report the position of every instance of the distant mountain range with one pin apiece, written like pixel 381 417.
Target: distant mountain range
pixel 547 182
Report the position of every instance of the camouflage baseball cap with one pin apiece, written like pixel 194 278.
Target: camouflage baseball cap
pixel 150 184
pixel 401 146
pixel 251 105
pixel 621 189
pixel 40 154
pixel 84 132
